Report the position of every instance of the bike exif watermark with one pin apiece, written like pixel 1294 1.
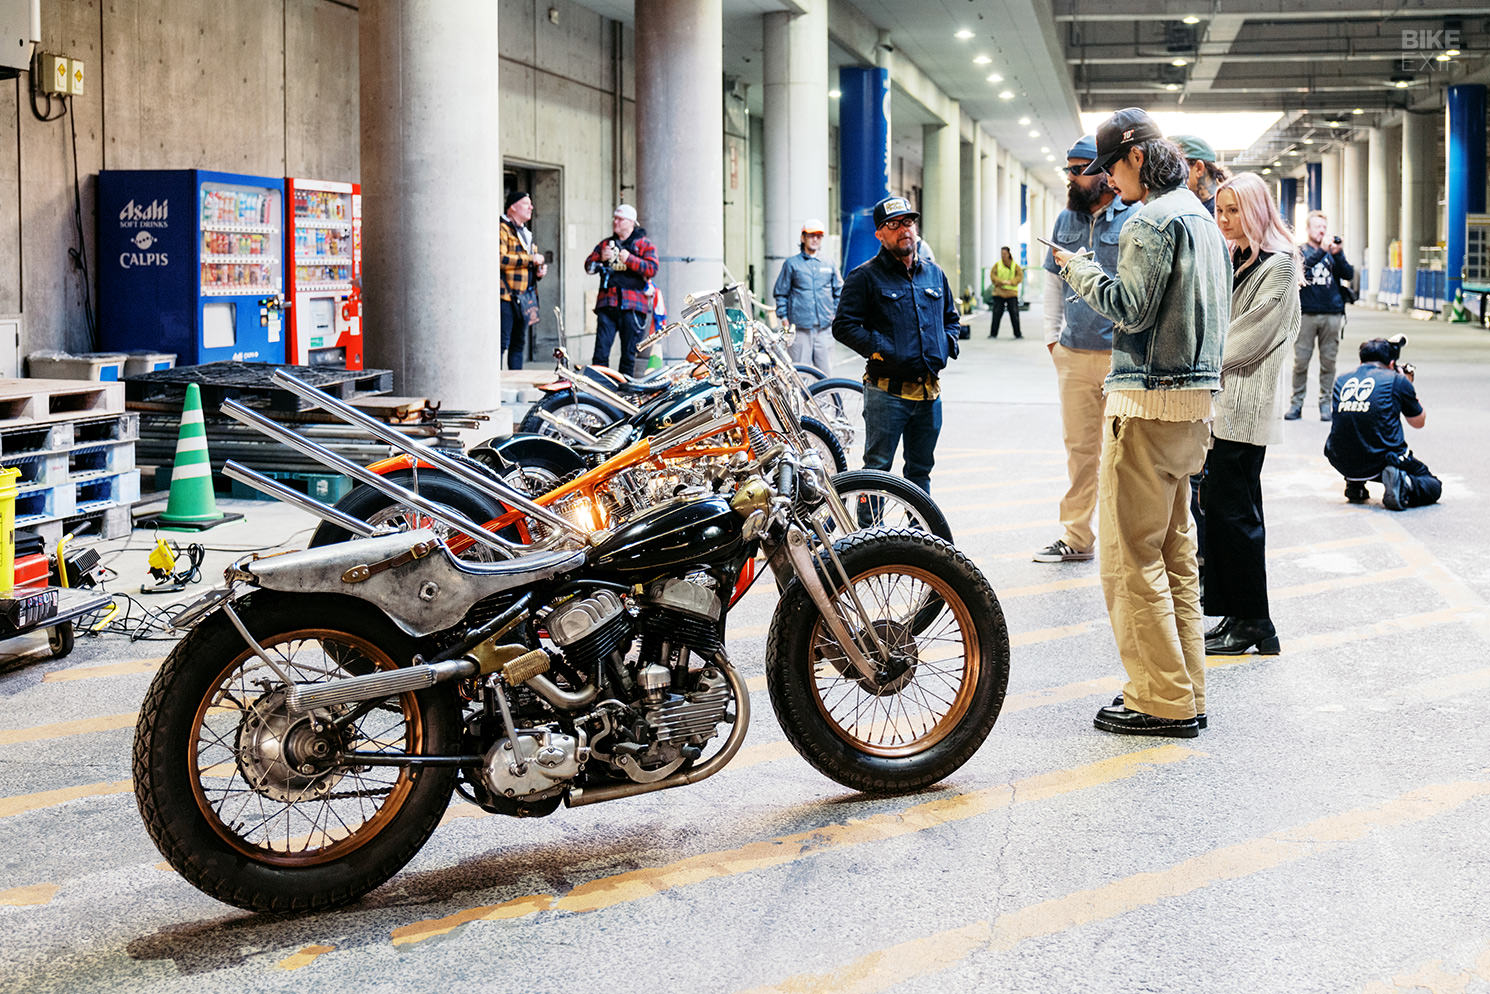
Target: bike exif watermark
pixel 1428 51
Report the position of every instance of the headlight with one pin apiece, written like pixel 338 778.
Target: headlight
pixel 753 495
pixel 754 525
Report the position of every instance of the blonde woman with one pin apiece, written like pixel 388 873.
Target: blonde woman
pixel 1248 415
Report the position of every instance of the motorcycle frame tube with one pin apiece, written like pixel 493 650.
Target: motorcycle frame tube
pixel 234 470
pixel 806 570
pixel 325 456
pixel 580 796
pixel 574 431
pixel 384 433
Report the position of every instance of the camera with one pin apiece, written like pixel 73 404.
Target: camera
pixel 1405 368
pixel 1337 239
pixel 615 262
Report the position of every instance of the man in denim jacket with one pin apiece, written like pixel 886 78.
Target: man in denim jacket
pixel 897 312
pixel 1080 344
pixel 806 293
pixel 1170 303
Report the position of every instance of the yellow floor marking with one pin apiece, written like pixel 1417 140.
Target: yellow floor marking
pixel 62 729
pixel 992 504
pixel 51 798
pixel 966 453
pixel 1454 591
pixel 112 669
pixel 995 485
pixel 1344 582
pixel 304 957
pixel 1445 686
pixel 635 885
pixel 932 954
pixel 940 473
pixel 28 896
pixel 1006 526
pixel 1054 586
pixel 1061 632
pixel 1060 695
pixel 1434 977
pixel 755 684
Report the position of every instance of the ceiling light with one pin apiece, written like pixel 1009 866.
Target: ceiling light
pixel 1451 52
pixel 1308 141
pixel 1278 164
pixel 1358 111
pixel 1442 57
pixel 1034 134
pixel 981 60
pixel 834 94
pixel 1050 158
pixel 1267 172
pixel 1401 84
pixel 1190 19
pixel 964 34
pixel 1024 122
pixel 1044 149
pixel 1180 62
pixel 1006 94
pixel 1171 86
pixel 1332 124
pixel 995 78
pixel 1293 151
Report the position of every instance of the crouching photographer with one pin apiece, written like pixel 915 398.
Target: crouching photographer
pixel 1369 405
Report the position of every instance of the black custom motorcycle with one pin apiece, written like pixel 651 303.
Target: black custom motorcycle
pixel 302 742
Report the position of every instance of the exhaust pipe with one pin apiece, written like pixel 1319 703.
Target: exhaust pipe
pixel 372 686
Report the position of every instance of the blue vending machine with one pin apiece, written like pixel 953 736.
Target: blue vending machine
pixel 191 262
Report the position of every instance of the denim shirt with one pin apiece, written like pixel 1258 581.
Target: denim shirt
pixel 807 291
pixel 904 321
pixel 1098 233
pixel 1170 302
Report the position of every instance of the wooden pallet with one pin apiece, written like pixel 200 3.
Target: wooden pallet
pixel 30 402
pixel 249 383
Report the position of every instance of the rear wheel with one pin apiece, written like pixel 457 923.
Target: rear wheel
pixel 926 709
pixel 369 504
pixel 841 401
pixel 821 438
pixel 247 799
pixel 877 499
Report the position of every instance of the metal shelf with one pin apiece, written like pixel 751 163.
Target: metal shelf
pixel 238 260
pixel 249 229
pixel 321 222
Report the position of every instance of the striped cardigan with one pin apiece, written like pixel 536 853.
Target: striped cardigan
pixel 1255 355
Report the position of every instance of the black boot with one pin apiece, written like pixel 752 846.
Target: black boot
pixel 1242 636
pixel 1222 627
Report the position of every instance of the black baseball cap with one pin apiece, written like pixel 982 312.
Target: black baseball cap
pixel 1119 133
pixel 894 207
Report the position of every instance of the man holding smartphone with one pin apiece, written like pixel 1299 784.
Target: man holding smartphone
pixel 1325 268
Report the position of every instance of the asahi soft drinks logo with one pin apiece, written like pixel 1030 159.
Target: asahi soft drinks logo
pixel 143 216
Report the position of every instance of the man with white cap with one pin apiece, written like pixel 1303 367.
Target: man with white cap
pixel 625 262
pixel 806 293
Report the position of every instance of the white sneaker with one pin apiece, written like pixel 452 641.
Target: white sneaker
pixel 1059 552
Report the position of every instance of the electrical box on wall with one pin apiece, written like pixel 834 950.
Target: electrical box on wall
pixel 20 31
pixel 75 82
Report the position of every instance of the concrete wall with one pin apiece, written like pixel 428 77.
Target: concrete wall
pixel 254 86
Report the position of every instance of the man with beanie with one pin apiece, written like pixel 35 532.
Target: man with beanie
pixel 625 262
pixel 1205 176
pixel 1080 344
pixel 897 311
pixel 1170 304
pixel 806 293
pixel 521 269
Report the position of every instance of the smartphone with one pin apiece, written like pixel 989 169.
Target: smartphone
pixel 1047 241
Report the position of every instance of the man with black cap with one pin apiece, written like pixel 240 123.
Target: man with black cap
pixel 625 262
pixel 897 312
pixel 1170 303
pixel 521 269
pixel 1080 343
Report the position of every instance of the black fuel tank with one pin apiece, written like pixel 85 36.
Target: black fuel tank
pixel 674 407
pixel 683 532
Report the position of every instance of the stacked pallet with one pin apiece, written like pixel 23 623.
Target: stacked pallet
pixel 75 449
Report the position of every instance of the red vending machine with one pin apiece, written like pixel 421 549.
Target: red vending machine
pixel 323 250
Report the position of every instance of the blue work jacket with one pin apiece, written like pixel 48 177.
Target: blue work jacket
pixel 903 321
pixel 807 291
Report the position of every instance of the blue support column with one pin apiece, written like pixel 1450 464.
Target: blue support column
pixel 863 157
pixel 1288 198
pixel 1465 184
pixel 1314 175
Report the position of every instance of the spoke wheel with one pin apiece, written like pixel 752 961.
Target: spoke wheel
pixel 925 709
pixel 877 499
pixel 377 508
pixel 581 410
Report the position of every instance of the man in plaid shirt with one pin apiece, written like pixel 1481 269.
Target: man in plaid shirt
pixel 522 268
pixel 625 262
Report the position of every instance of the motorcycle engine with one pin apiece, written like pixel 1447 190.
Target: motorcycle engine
pixel 550 760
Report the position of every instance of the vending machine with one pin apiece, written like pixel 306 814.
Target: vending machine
pixel 191 262
pixel 323 246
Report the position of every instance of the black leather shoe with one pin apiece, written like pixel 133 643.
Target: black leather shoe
pixel 1222 627
pixel 1121 721
pixel 1243 635
pixel 1355 492
pixel 1117 702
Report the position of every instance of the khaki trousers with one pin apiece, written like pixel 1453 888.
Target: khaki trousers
pixel 1149 576
pixel 1079 374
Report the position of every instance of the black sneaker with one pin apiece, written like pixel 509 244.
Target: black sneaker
pixel 1355 492
pixel 1397 487
pixel 1324 414
pixel 1059 552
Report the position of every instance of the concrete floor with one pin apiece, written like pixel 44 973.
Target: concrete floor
pixel 1327 832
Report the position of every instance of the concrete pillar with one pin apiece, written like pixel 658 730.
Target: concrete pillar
pixel 941 155
pixel 1330 199
pixel 680 97
pixel 989 217
pixel 1416 182
pixel 970 224
pixel 1379 202
pixel 430 237
pixel 863 157
pixel 1464 175
pixel 795 94
pixel 1355 186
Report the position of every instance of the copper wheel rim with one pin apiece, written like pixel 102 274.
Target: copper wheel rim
pixel 358 803
pixel 934 694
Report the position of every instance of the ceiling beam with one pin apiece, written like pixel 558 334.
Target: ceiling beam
pixel 1269 10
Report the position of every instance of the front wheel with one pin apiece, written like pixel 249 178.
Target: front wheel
pixel 877 499
pixel 821 438
pixel 927 708
pixel 247 799
pixel 585 411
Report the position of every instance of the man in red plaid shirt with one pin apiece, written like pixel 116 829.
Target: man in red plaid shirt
pixel 522 268
pixel 625 262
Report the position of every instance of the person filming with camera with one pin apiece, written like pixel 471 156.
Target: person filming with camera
pixel 1369 405
pixel 1323 294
